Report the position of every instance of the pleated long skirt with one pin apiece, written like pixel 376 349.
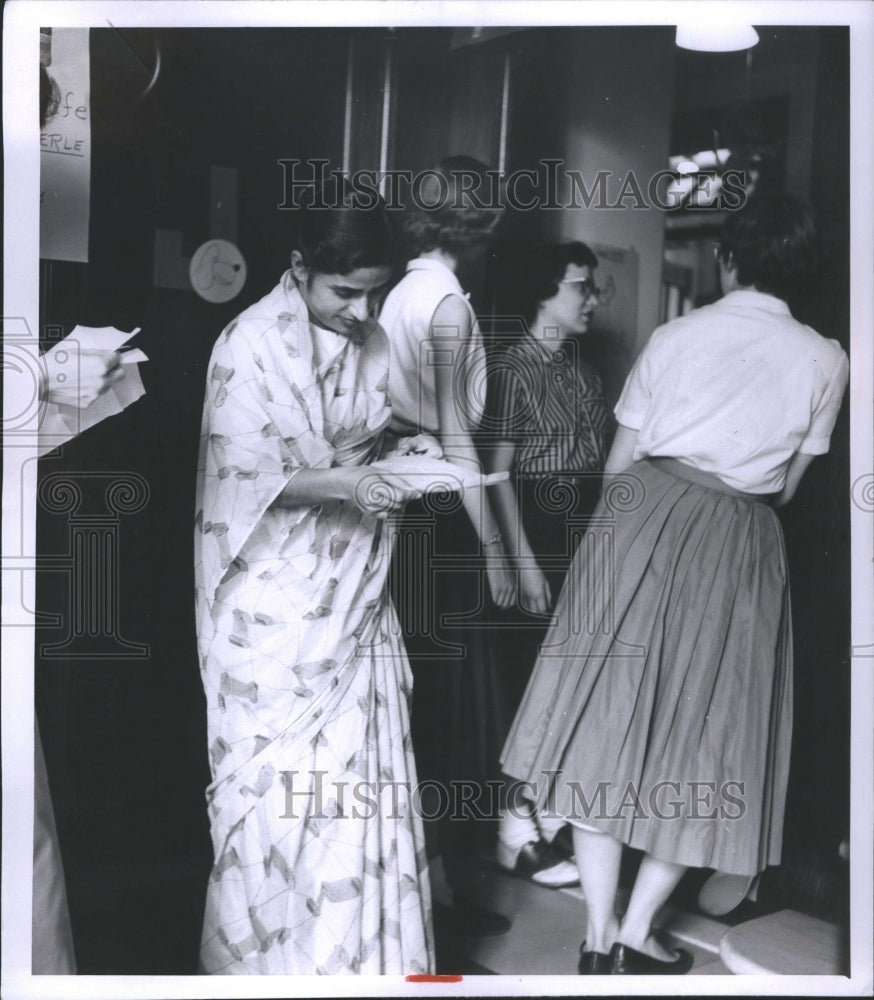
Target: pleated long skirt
pixel 660 707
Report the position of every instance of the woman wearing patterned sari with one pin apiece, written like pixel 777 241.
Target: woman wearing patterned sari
pixel 319 860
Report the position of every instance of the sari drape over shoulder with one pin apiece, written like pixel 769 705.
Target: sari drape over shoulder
pixel 319 853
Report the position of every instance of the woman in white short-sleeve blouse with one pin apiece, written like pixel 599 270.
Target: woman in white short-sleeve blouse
pixel 659 713
pixel 735 388
pixel 437 384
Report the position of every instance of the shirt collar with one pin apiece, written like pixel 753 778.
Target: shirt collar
pixel 543 348
pixel 297 310
pixel 429 264
pixel 294 300
pixel 749 297
pixel 438 267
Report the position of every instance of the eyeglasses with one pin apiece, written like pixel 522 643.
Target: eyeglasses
pixel 588 289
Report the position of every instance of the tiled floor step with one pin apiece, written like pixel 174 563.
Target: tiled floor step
pixel 784 943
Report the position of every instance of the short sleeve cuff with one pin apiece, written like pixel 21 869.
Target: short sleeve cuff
pixel 629 418
pixel 814 445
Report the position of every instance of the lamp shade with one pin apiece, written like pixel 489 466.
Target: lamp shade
pixel 716 36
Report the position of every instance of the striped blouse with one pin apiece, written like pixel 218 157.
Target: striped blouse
pixel 550 404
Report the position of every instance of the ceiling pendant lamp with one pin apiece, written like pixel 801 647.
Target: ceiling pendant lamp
pixel 716 36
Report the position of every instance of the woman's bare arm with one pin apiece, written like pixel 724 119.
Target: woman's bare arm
pixel 450 331
pixel 370 490
pixel 797 467
pixel 622 451
pixel 534 589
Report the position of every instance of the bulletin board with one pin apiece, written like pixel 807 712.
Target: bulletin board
pixel 617 277
pixel 65 151
pixel 612 340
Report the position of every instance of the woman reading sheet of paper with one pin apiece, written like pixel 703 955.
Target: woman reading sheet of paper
pixel 319 859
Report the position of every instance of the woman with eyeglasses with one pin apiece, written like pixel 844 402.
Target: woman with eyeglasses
pixel 659 712
pixel 549 425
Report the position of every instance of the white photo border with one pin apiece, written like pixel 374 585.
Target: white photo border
pixel 23 19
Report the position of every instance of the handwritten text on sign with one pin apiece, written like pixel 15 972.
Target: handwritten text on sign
pixel 65 144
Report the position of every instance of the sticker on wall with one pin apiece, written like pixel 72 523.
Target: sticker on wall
pixel 217 271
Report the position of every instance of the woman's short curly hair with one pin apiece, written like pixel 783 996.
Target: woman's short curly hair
pixel 535 275
pixel 455 205
pixel 773 244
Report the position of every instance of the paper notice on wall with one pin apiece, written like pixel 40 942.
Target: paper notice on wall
pixel 65 160
pixel 618 277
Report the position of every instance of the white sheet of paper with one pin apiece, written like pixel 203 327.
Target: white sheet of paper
pixel 98 338
pixel 129 357
pixel 436 475
pixel 60 423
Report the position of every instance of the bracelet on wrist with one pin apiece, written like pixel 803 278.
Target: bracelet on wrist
pixel 494 540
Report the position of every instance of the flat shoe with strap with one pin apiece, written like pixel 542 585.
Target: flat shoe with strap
pixel 627 961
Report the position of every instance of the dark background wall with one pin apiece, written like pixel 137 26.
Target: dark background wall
pixel 125 737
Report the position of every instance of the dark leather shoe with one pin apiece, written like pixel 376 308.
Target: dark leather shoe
pixel 463 919
pixel 625 961
pixel 524 861
pixel 563 842
pixel 540 862
pixel 593 963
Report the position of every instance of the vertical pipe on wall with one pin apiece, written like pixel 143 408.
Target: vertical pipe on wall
pixel 347 114
pixel 385 131
pixel 505 115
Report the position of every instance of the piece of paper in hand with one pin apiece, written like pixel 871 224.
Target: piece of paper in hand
pixel 95 338
pixel 435 475
pixel 59 422
pixel 133 355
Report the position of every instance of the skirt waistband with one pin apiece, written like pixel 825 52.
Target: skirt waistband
pixel 701 478
pixel 570 478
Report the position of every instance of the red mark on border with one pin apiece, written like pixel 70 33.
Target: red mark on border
pixel 434 979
